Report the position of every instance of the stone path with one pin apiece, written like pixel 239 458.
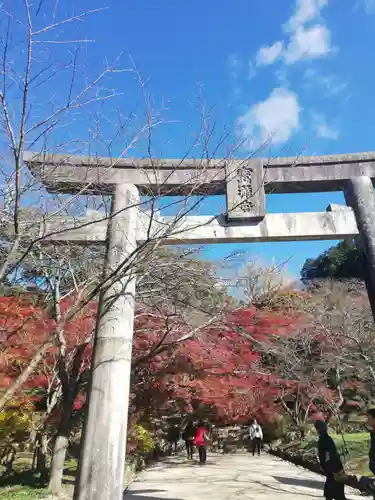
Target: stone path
pixel 228 477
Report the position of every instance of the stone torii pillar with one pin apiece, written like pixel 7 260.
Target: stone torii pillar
pixel 102 461
pixel 359 194
pixel 101 468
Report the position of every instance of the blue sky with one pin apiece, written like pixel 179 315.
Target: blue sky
pixel 300 70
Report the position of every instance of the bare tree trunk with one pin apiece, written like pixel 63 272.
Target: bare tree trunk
pixel 7 459
pixel 70 383
pixel 41 455
pixel 61 444
pixel 21 379
pixel 60 449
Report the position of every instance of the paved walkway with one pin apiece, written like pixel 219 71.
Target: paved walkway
pixel 228 477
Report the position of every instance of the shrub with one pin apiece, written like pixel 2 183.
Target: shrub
pixel 145 441
pixel 275 429
pixel 16 423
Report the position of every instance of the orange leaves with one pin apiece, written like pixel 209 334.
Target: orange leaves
pixel 216 368
pixel 25 326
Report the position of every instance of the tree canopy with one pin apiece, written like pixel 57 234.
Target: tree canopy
pixel 340 262
pixel 293 354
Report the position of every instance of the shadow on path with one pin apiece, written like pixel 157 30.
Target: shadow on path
pixel 25 478
pixel 180 462
pixel 306 483
pixel 146 495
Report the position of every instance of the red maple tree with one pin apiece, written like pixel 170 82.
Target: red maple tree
pixel 216 368
pixel 25 326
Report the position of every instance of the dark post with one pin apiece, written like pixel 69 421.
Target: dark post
pixel 359 195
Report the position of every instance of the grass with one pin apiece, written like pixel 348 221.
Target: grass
pixel 21 492
pixel 353 449
pixel 24 484
pixel 357 445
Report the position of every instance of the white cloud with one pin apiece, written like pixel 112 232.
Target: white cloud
pixel 369 6
pixel 251 74
pixel 306 41
pixel 281 76
pixel 322 129
pixel 234 63
pixel 235 66
pixel 331 85
pixel 308 44
pixel 274 119
pixel 268 55
pixel 306 10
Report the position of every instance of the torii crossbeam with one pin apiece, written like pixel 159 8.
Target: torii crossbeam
pixel 245 183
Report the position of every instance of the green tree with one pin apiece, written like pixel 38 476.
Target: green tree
pixel 341 262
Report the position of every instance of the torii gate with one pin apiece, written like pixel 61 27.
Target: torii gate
pixel 102 461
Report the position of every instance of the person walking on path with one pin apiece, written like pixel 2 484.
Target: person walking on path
pixel 188 437
pixel 330 463
pixel 173 437
pixel 371 424
pixel 256 436
pixel 201 440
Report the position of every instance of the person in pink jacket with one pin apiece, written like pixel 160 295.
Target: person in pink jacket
pixel 201 440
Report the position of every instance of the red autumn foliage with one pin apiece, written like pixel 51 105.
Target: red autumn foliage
pixel 216 369
pixel 25 326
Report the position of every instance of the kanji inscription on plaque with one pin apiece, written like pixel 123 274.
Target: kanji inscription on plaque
pixel 245 191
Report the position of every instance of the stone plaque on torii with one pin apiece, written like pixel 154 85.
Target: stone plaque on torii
pixel 245 184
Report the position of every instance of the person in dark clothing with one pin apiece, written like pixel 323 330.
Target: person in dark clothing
pixel 188 437
pixel 330 463
pixel 173 438
pixel 371 424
